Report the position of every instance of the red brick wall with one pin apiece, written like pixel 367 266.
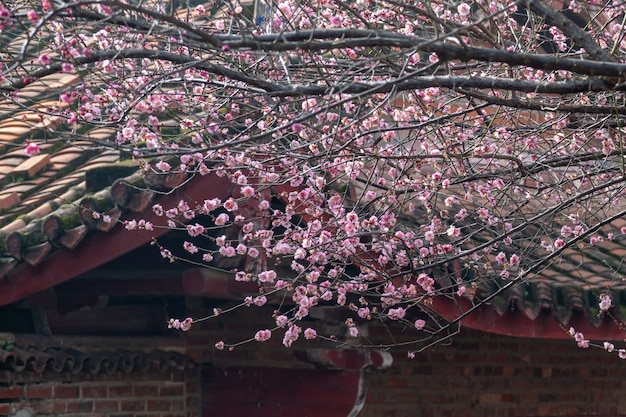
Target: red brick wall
pixel 487 375
pixel 118 394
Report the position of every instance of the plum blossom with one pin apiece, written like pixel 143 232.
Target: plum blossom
pixel 163 166
pixel 32 149
pixel 231 204
pixel 419 324
pixel 44 59
pixel 32 16
pixel 310 333
pixel 195 229
pixel 461 290
pixel 291 335
pixel 222 219
pixel 605 302
pixel 463 9
pixel 267 276
pixel 263 335
pixel 259 301
pixel 579 338
pixel 184 325
pixel 396 313
pixel 282 320
pixel 190 247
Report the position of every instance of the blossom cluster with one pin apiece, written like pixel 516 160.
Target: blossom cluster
pixel 346 187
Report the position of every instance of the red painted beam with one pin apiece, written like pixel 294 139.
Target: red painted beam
pixel 99 248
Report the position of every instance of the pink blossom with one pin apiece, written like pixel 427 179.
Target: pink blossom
pixel 130 224
pixel 566 231
pixel 396 313
pixel 227 251
pixel 463 9
pixel 419 324
pixel 241 249
pixel 231 204
pixel 310 333
pixel 222 219
pixel 44 59
pixel 259 301
pixel 453 231
pixel 195 229
pixel 209 205
pixel 354 332
pixel 32 149
pixel 282 320
pixel 622 353
pixel 267 276
pixel 609 347
pixel 291 335
pixel 67 67
pixel 157 209
pixel 605 302
pixel 501 258
pixel 263 335
pixel 190 247
pixel 163 166
pixel 32 16
pixel 185 325
pixel 247 191
pixel 461 290
pixel 219 345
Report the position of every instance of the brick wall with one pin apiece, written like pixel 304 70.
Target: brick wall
pixel 487 375
pixel 115 395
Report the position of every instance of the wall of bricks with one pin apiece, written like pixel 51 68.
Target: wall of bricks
pixel 487 375
pixel 116 395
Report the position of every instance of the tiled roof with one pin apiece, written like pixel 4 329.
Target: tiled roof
pixel 22 354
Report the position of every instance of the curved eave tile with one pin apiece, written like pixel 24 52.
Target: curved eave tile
pixel 20 359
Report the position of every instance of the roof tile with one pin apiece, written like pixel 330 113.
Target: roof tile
pixel 33 165
pixel 8 200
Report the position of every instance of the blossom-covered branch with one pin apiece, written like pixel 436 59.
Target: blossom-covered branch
pixel 383 155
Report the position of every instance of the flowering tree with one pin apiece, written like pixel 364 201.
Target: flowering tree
pixel 383 153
